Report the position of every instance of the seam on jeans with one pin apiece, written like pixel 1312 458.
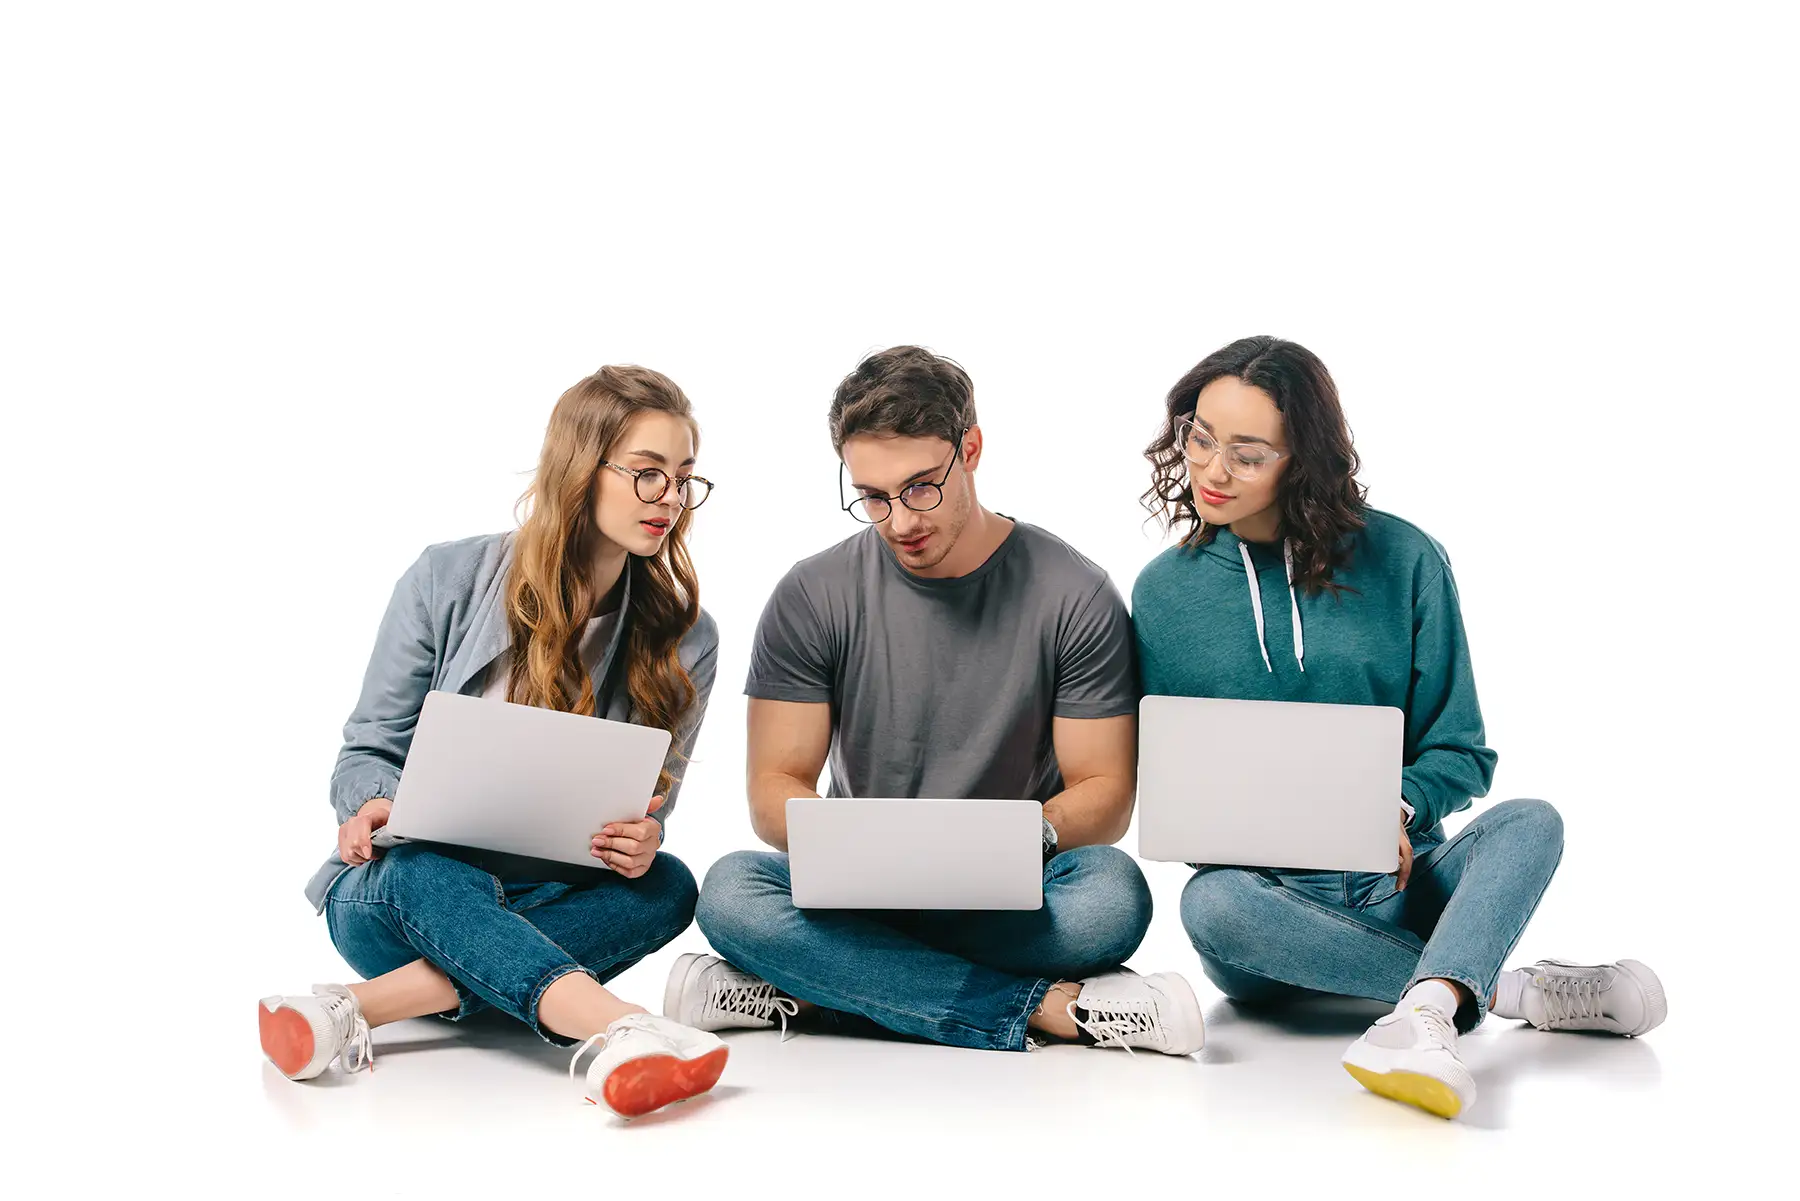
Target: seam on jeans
pixel 537 994
pixel 1014 1036
pixel 400 927
pixel 1473 834
pixel 1338 914
pixel 647 945
pixel 437 956
pixel 1477 990
pixel 639 949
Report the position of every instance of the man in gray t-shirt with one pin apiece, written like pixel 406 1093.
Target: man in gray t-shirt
pixel 945 651
pixel 948 687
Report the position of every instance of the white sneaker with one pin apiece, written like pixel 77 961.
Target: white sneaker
pixel 707 993
pixel 1620 998
pixel 1124 1009
pixel 1411 1056
pixel 647 1062
pixel 302 1035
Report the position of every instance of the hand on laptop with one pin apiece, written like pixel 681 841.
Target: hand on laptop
pixel 629 848
pixel 354 846
pixel 1405 869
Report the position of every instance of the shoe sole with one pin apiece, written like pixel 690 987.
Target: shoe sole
pixel 287 1038
pixel 642 1085
pixel 679 975
pixel 1410 1088
pixel 1656 1005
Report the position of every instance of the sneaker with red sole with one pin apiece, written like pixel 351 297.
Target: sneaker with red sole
pixel 303 1035
pixel 646 1062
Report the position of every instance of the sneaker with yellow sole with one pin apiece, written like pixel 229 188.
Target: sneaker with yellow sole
pixel 1410 1056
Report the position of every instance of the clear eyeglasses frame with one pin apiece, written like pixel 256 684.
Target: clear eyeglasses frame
pixel 1243 460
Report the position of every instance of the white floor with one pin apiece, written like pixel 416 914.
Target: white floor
pixel 1265 1104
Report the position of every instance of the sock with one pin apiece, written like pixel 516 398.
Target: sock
pixel 1509 994
pixel 1435 993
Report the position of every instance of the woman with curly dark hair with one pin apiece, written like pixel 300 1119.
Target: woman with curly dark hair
pixel 1287 586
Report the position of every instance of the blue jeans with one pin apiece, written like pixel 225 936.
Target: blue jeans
pixel 964 978
pixel 502 942
pixel 1268 936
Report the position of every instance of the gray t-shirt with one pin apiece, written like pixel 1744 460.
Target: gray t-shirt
pixel 946 688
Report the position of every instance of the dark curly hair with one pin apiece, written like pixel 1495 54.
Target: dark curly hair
pixel 1321 502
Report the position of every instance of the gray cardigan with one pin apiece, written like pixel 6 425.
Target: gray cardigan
pixel 444 627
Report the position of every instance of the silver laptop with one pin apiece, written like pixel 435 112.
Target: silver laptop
pixel 496 776
pixel 1269 783
pixel 885 853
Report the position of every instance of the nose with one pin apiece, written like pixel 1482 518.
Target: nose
pixel 904 522
pixel 1215 474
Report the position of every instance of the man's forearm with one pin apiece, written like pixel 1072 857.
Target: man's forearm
pixel 1095 812
pixel 769 795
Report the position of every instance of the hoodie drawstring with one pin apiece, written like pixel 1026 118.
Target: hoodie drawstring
pixel 1287 557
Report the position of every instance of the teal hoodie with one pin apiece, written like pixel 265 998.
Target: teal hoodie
pixel 1396 640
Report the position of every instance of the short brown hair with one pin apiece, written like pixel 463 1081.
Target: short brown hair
pixel 903 392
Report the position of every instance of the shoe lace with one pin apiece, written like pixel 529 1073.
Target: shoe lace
pixel 1438 1027
pixel 631 1021
pixel 746 996
pixel 1114 1023
pixel 349 1027
pixel 1569 999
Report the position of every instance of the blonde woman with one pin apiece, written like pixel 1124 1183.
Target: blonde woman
pixel 590 607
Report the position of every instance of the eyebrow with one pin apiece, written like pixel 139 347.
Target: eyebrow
pixel 1199 420
pixel 656 458
pixel 906 483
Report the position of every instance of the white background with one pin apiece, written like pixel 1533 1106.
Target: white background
pixel 288 294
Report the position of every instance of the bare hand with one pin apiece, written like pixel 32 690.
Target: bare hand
pixel 354 845
pixel 1404 872
pixel 629 848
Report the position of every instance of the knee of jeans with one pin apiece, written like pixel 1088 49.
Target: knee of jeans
pixel 737 887
pixel 404 871
pixel 1217 911
pixel 1539 819
pixel 675 886
pixel 1112 908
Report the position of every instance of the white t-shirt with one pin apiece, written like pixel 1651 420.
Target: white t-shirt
pixel 594 638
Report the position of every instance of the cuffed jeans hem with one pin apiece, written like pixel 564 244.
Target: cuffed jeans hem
pixel 537 995
pixel 1465 1020
pixel 467 1003
pixel 1016 1036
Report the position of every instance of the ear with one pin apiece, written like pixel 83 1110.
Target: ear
pixel 972 447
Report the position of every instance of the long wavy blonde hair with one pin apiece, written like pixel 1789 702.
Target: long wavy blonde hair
pixel 553 555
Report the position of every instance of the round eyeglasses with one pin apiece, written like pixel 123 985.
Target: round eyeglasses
pixel 653 484
pixel 873 508
pixel 1243 460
